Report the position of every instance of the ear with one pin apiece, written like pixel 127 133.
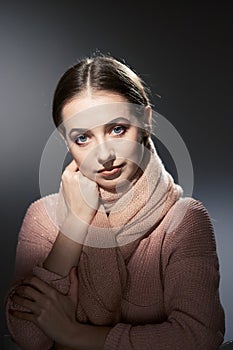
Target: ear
pixel 148 116
pixel 147 121
pixel 147 125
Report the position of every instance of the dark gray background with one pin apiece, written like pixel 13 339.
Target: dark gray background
pixel 183 52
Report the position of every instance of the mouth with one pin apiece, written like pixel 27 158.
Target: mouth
pixel 111 173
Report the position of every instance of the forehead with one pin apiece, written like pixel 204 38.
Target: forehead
pixel 88 112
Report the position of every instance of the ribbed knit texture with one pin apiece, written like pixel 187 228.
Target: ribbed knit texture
pixel 103 271
pixel 171 300
pixel 160 291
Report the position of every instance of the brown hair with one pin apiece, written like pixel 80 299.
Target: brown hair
pixel 99 73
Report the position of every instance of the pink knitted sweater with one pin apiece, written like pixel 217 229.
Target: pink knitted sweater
pixel 171 298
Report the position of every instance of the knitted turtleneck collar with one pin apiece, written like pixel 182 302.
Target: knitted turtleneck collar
pixel 111 240
pixel 136 207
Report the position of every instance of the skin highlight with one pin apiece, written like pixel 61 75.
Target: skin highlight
pixel 107 150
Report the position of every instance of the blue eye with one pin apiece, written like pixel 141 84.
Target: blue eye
pixel 119 130
pixel 81 139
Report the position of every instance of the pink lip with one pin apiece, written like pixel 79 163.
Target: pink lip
pixel 110 172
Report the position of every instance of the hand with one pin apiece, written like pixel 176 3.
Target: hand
pixel 80 193
pixel 53 312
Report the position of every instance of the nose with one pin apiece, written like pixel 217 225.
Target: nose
pixel 105 154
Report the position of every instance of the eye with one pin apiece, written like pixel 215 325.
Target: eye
pixel 81 139
pixel 119 130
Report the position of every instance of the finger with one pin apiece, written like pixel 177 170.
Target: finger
pixel 72 166
pixel 28 292
pixel 23 315
pixel 85 183
pixel 28 304
pixel 40 285
pixel 73 291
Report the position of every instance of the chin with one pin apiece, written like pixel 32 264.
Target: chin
pixel 115 185
pixel 108 186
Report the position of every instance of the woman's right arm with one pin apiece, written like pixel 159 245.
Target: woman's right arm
pixel 67 249
pixel 35 240
pixel 48 254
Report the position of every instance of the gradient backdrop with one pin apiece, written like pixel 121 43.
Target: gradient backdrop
pixel 183 52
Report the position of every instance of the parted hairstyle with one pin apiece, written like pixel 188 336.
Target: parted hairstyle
pixel 99 73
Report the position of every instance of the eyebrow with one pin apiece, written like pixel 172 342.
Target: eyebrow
pixel 84 130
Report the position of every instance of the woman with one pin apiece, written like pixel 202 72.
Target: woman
pixel 127 263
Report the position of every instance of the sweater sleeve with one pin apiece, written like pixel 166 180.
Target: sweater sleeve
pixel 190 270
pixel 35 240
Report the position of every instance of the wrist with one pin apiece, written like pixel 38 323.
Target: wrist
pixel 64 254
pixel 74 228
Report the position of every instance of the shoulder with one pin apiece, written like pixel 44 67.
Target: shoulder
pixel 39 206
pixel 188 228
pixel 187 212
pixel 42 213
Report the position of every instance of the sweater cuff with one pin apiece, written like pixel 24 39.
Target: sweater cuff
pixel 115 336
pixel 62 284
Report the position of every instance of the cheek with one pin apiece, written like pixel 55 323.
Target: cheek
pixel 78 156
pixel 75 155
pixel 84 161
pixel 130 150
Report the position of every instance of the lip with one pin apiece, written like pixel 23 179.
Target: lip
pixel 111 173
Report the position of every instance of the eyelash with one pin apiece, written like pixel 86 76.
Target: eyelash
pixel 76 140
pixel 124 129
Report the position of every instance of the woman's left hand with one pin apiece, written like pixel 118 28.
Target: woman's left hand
pixel 53 312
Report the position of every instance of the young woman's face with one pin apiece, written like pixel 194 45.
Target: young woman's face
pixel 103 137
